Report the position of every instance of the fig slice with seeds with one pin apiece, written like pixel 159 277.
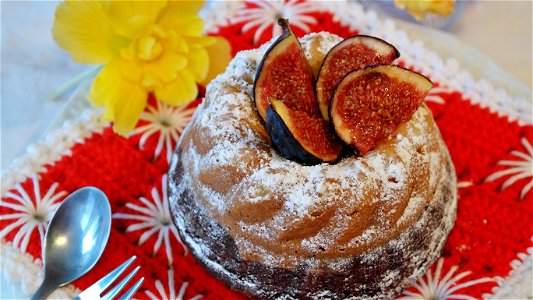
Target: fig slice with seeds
pixel 297 136
pixel 284 74
pixel 369 104
pixel 349 55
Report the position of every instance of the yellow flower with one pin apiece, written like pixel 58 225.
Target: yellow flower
pixel 146 47
pixel 420 8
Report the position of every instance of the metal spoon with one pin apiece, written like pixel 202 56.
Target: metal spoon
pixel 75 238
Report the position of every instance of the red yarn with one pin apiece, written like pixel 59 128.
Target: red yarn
pixel 493 224
pixel 244 40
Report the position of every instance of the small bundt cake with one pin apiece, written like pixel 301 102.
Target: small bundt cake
pixel 365 227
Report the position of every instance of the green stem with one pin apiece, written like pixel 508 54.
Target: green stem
pixel 73 82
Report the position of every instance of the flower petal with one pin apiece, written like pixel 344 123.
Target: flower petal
pixel 200 41
pixel 99 89
pixel 182 90
pixel 82 28
pixel 219 56
pixel 198 63
pixel 183 22
pixel 131 71
pixel 124 101
pixel 166 68
pixel 129 109
pixel 189 6
pixel 133 18
pixel 175 42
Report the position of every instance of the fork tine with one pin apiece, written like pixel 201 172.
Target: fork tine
pixel 117 288
pixel 129 293
pixel 107 280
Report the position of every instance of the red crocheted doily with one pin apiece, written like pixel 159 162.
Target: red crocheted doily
pixel 490 153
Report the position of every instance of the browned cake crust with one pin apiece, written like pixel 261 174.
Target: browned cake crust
pixel 364 228
pixel 366 276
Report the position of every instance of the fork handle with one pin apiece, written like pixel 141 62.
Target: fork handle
pixel 44 290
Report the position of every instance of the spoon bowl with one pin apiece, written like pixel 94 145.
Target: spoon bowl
pixel 75 239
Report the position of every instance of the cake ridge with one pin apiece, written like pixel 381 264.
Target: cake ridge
pixel 227 141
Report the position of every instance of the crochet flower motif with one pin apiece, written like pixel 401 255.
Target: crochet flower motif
pixel 168 121
pixel 153 217
pixel 520 274
pixel 31 212
pixel 263 14
pixel 434 95
pixel 433 287
pixel 519 169
pixel 464 184
pixel 171 289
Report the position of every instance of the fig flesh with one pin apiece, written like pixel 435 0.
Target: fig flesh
pixel 369 104
pixel 297 136
pixel 285 74
pixel 349 55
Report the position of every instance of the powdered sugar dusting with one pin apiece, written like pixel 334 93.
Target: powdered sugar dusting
pixel 326 41
pixel 308 210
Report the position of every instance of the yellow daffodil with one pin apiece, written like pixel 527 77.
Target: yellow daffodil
pixel 419 8
pixel 146 47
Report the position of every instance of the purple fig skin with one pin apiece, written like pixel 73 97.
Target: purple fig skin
pixel 300 137
pixel 300 99
pixel 284 23
pixel 375 51
pixel 284 142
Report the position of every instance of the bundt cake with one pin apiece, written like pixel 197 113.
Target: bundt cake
pixel 365 227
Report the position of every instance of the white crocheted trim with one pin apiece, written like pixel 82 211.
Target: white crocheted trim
pixel 217 14
pixel 448 73
pixel 54 146
pixel 518 284
pixel 22 269
pixel 27 273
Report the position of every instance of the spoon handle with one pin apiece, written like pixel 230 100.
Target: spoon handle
pixel 44 290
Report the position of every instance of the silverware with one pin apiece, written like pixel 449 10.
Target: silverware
pixel 75 238
pixel 95 290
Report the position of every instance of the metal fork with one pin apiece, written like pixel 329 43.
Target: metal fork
pixel 95 291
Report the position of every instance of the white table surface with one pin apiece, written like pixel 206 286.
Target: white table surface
pixel 32 65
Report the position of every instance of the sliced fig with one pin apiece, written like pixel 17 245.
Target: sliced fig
pixel 349 55
pixel 297 136
pixel 285 74
pixel 369 104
